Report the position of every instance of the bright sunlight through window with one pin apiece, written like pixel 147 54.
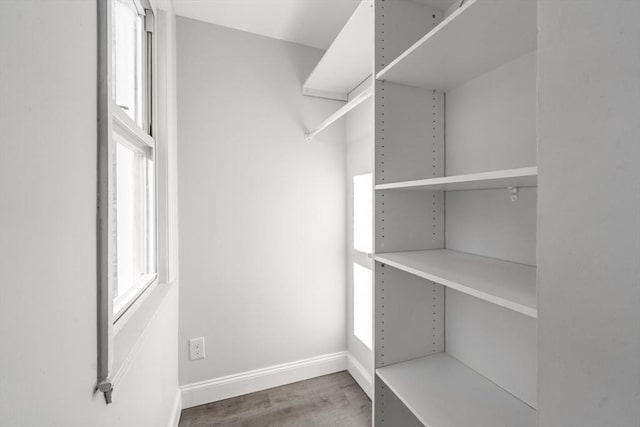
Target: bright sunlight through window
pixel 363 213
pixel 363 304
pixel 128 59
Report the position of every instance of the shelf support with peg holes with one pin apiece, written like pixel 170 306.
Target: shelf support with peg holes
pixel 515 192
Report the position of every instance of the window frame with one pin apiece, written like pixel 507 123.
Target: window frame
pixel 113 119
pixel 133 136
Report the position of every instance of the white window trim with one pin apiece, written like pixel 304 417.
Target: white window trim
pixel 135 138
pixel 122 305
pixel 127 327
pixel 128 128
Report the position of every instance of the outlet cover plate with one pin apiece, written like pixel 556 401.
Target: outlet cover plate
pixel 196 348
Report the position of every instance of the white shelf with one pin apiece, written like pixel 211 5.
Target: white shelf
pixel 442 392
pixel 366 94
pixel 349 59
pixel 507 284
pixel 476 38
pixel 522 177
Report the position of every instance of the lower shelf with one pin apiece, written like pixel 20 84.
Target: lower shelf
pixel 443 392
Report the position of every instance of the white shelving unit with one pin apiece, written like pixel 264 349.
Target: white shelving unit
pixel 443 392
pixel 507 284
pixel 514 178
pixel 347 62
pixel 345 65
pixel 455 275
pixel 476 38
pixel 357 100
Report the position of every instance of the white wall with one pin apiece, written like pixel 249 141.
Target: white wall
pixel 48 234
pixel 589 213
pixel 262 257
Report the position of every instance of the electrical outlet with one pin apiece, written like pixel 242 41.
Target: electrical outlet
pixel 196 348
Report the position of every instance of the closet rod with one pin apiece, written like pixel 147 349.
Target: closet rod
pixel 366 94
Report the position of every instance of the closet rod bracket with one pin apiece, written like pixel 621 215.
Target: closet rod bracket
pixel 515 192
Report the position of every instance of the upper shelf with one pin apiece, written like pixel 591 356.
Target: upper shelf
pixel 349 59
pixel 522 177
pixel 507 284
pixel 478 37
pixel 357 100
pixel 441 391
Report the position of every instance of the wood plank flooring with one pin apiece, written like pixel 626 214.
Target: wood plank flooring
pixel 330 401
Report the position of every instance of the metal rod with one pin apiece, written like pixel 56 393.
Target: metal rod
pixel 341 112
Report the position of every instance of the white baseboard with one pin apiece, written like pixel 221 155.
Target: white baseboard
pixel 174 418
pixel 261 379
pixel 360 374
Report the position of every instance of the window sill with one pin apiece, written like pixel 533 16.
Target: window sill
pixel 130 336
pixel 121 308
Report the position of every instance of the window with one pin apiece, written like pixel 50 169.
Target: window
pixel 363 304
pixel 127 181
pixel 132 157
pixel 363 213
pixel 363 242
pixel 135 222
pixel 128 58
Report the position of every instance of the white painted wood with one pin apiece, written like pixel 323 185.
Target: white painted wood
pixel 105 218
pixel 341 112
pixel 506 284
pixel 349 59
pixel 522 177
pixel 478 37
pixel 176 410
pixel 589 204
pixel 441 5
pixel 391 411
pixel 310 23
pixel 409 316
pixel 409 133
pixel 488 223
pixel 360 374
pixel 399 24
pixel 129 128
pixel 324 94
pixel 443 392
pixel 261 379
pixel 480 59
pixel 409 221
pixel 491 120
pixel 499 344
pixel 368 83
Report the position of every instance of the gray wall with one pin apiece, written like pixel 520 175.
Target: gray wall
pixel 48 234
pixel 262 229
pixel 589 213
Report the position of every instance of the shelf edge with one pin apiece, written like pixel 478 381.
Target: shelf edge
pixel 494 299
pixel 366 94
pixel 424 39
pixel 525 172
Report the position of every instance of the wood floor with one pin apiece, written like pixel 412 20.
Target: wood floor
pixel 332 400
